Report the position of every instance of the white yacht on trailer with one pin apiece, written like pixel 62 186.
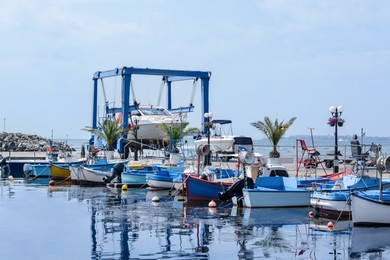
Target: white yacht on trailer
pixel 148 119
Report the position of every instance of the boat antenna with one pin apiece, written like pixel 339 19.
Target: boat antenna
pixel 362 134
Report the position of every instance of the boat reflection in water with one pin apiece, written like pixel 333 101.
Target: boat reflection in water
pixel 330 224
pixel 271 230
pixel 107 223
pixel 370 243
pixel 171 228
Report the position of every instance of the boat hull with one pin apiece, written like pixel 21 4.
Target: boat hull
pixel 337 203
pixel 217 143
pixel 163 176
pixel 134 178
pixel 276 192
pixel 368 209
pixel 199 189
pixel 260 198
pixel 39 171
pixel 59 172
pixel 159 182
pixel 336 199
pixel 90 176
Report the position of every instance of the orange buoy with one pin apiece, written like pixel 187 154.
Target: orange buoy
pixel 52 183
pixel 330 225
pixel 212 204
pixel 311 214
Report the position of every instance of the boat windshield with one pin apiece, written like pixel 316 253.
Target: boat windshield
pixel 152 111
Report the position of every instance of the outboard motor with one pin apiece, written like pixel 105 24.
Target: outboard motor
pixel 27 170
pixel 236 190
pixel 4 168
pixel 116 173
pixel 207 176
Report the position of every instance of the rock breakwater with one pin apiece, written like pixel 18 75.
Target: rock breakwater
pixel 18 142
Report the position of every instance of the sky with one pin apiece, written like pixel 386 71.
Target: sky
pixel 275 58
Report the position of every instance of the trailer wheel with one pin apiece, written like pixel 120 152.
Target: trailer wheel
pixel 329 163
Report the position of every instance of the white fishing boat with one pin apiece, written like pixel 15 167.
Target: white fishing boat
pixel 334 199
pixel 276 192
pixel 372 207
pixel 99 176
pixel 272 188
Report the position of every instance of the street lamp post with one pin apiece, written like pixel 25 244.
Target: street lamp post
pixel 209 117
pixel 336 114
pixel 136 139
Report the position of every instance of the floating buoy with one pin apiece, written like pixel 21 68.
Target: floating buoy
pixel 311 214
pixel 124 187
pixel 212 204
pixel 330 225
pixel 155 199
pixel 52 183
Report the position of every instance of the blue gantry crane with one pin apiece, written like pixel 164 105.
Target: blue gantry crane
pixel 168 76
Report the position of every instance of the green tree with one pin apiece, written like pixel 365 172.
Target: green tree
pixel 177 131
pixel 109 130
pixel 274 131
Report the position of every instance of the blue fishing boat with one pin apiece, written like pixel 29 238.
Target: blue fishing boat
pixel 37 171
pixel 275 192
pixel 204 189
pixel 210 174
pixel 162 176
pixel 136 177
pixel 334 199
pixel 273 188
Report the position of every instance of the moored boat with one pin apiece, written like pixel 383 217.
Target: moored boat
pixel 275 192
pixel 59 172
pixel 136 177
pixel 334 199
pixel 371 207
pixel 162 176
pixel 35 171
pixel 273 188
pixel 202 189
pixel 99 176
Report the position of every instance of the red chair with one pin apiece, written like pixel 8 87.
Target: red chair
pixel 312 159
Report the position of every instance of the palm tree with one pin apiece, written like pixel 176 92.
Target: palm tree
pixel 274 131
pixel 177 131
pixel 109 130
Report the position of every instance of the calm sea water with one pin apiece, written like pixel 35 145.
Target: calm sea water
pixel 73 222
pixel 288 146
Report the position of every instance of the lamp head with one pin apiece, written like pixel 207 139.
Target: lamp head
pixel 340 109
pixel 208 115
pixel 332 109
